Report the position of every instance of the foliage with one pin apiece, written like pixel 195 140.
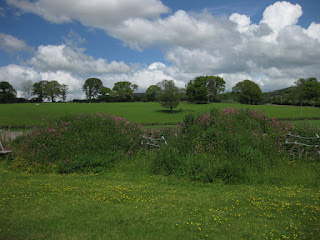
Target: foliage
pixel 311 90
pixel 39 90
pixel 7 93
pixel 152 92
pixel 248 92
pixel 170 94
pixel 233 146
pixel 84 142
pixel 106 94
pixel 63 92
pixel 92 88
pixel 52 90
pixel 205 88
pixel 123 91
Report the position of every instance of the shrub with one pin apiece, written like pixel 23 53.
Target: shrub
pixel 233 145
pixel 76 143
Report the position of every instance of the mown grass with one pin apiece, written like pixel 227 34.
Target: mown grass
pixel 128 203
pixel 31 114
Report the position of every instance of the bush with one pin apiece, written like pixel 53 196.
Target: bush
pixel 233 146
pixel 76 143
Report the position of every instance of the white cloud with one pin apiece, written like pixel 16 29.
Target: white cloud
pixel 314 31
pixel 62 58
pixel 12 44
pixel 96 13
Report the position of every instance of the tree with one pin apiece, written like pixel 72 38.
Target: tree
pixel 197 90
pixel 106 94
pixel 311 90
pixel 152 92
pixel 92 88
pixel 300 86
pixel 39 90
pixel 248 92
pixel 63 92
pixel 215 85
pixel 27 88
pixel 205 88
pixel 7 93
pixel 52 90
pixel 170 94
pixel 123 91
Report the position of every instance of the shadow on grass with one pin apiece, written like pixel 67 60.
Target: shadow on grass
pixel 175 111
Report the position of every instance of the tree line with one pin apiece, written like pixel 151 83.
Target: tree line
pixel 200 90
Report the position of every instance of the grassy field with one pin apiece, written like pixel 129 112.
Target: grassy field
pixel 128 203
pixel 31 114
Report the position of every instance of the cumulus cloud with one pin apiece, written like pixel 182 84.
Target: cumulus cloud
pixel 97 13
pixel 12 44
pixel 63 58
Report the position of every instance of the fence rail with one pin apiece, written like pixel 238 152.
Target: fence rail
pixel 301 143
pixel 153 142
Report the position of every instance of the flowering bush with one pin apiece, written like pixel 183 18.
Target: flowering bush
pixel 231 145
pixel 81 142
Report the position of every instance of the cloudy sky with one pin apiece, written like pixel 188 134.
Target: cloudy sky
pixel 145 41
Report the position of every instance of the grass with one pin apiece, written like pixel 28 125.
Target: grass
pixel 131 204
pixel 31 114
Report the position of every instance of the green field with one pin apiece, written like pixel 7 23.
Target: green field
pixel 31 114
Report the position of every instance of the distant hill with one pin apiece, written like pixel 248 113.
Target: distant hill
pixel 287 96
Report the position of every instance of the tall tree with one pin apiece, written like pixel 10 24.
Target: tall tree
pixel 152 92
pixel 123 91
pixel 7 93
pixel 52 90
pixel 299 87
pixel 92 88
pixel 311 90
pixel 27 88
pixel 39 90
pixel 204 88
pixel 248 92
pixel 215 85
pixel 63 91
pixel 170 94
pixel 197 90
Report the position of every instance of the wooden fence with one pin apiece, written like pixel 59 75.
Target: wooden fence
pixel 302 145
pixel 153 142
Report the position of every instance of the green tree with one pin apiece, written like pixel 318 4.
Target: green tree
pixel 92 88
pixel 248 92
pixel 7 93
pixel 39 90
pixel 52 90
pixel 311 90
pixel 123 91
pixel 63 92
pixel 300 93
pixel 205 88
pixel 152 92
pixel 215 86
pixel 197 90
pixel 106 94
pixel 170 94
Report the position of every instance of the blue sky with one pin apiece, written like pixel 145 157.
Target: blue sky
pixel 145 41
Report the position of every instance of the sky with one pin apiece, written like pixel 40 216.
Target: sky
pixel 273 43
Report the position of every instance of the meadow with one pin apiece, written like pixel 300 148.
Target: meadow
pixel 225 174
pixel 146 113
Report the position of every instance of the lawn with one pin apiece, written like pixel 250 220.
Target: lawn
pixel 131 204
pixel 32 114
